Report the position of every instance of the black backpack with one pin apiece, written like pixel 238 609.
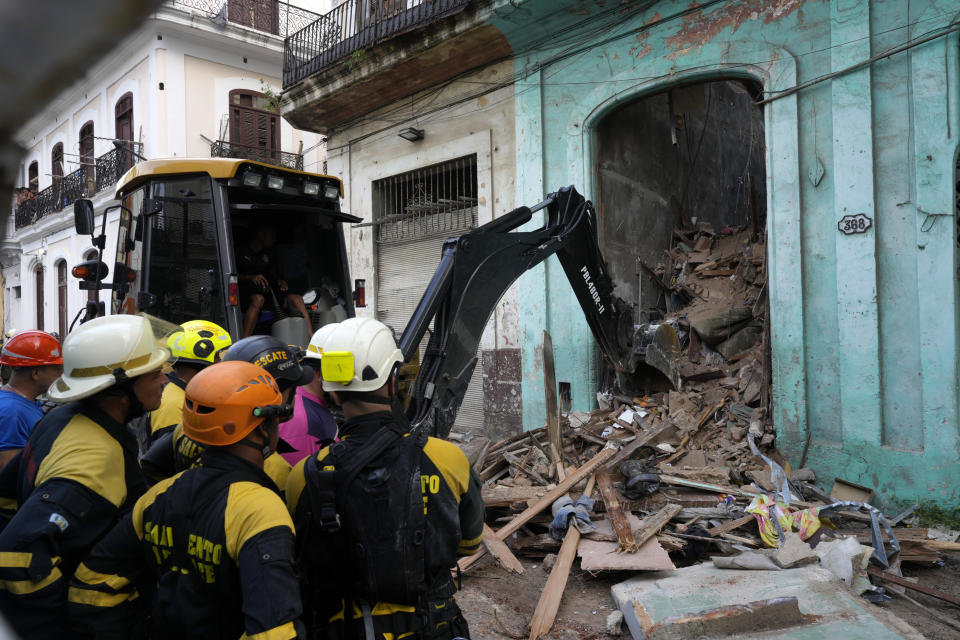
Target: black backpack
pixel 367 522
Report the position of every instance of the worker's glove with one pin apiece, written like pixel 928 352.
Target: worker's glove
pixel 564 508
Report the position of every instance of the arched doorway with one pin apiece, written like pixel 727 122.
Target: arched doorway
pixel 681 184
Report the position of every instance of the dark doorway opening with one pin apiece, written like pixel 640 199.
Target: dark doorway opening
pixel 682 197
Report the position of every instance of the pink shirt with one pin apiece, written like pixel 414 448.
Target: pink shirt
pixel 311 424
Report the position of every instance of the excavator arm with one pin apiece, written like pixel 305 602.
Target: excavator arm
pixel 475 271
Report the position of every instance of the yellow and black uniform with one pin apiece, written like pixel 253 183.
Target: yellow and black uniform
pixel 174 452
pixel 404 508
pixel 207 554
pixel 78 474
pixel 168 415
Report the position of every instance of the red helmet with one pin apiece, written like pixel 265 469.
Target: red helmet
pixel 31 349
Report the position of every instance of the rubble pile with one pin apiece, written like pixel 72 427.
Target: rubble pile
pixel 683 477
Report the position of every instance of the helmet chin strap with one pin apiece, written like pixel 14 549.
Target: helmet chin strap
pixel 264 448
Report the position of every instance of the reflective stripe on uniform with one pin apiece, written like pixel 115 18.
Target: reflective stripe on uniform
pixel 98 598
pixel 21 587
pixel 283 632
pixel 88 576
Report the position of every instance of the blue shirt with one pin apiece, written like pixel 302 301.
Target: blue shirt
pixel 17 417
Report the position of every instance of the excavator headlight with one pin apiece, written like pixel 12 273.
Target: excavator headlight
pixel 337 366
pixel 311 188
pixel 251 179
pixel 274 182
pixel 331 191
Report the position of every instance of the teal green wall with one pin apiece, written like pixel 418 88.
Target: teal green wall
pixel 864 327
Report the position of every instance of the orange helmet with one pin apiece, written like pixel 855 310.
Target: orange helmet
pixel 228 400
pixel 31 349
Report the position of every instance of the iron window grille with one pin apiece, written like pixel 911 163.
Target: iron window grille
pixel 432 200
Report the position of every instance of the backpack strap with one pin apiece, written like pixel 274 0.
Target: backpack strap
pixel 327 475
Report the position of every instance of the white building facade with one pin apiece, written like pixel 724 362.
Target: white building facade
pixel 199 78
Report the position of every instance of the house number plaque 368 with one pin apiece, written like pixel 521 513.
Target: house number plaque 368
pixel 855 224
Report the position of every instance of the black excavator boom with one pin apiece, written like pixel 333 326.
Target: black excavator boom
pixel 475 271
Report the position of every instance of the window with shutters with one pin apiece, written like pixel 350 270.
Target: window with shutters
pixel 252 126
pixel 62 298
pixel 123 128
pixel 33 175
pixel 262 15
pixel 86 150
pixel 56 171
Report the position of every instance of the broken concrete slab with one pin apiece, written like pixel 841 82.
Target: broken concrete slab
pixel 794 552
pixel 703 601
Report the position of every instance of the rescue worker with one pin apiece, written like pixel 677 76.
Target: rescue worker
pixel 36 361
pixel 383 513
pixel 78 472
pixel 208 553
pixel 177 451
pixel 196 347
pixel 313 424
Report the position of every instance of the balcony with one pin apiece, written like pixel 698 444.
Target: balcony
pixel 84 182
pixel 366 54
pixel 225 149
pixel 269 16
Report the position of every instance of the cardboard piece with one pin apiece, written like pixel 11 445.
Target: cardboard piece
pixel 596 555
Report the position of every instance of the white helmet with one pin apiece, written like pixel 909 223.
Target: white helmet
pixel 93 352
pixel 358 355
pixel 315 348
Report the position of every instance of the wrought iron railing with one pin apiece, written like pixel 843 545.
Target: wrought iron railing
pixel 352 27
pixel 270 16
pixel 64 191
pixel 225 149
pixel 113 164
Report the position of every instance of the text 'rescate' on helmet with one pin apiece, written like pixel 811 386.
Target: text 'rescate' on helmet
pixel 359 355
pixel 198 343
pixel 31 349
pixel 226 401
pixel 315 348
pixel 281 361
pixel 104 351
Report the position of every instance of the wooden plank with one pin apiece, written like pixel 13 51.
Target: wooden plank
pixel 496 496
pixel 653 524
pixel 500 551
pixel 727 527
pixel 643 439
pixel 615 512
pixel 543 503
pixel 922 588
pixel 546 611
pixel 548 499
pixel 550 392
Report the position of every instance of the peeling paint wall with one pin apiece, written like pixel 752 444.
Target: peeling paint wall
pixel 864 326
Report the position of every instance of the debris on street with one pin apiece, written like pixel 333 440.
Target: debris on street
pixel 685 478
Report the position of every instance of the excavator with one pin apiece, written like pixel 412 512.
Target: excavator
pixel 183 222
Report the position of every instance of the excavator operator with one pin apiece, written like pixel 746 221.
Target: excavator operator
pixel 210 548
pixel 382 514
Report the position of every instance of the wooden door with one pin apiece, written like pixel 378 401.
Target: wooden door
pixel 255 130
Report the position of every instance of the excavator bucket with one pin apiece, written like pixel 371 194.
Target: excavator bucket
pixel 659 346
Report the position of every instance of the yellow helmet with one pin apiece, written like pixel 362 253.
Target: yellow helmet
pixel 198 343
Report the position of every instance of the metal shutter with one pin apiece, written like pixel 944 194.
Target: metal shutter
pixel 404 270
